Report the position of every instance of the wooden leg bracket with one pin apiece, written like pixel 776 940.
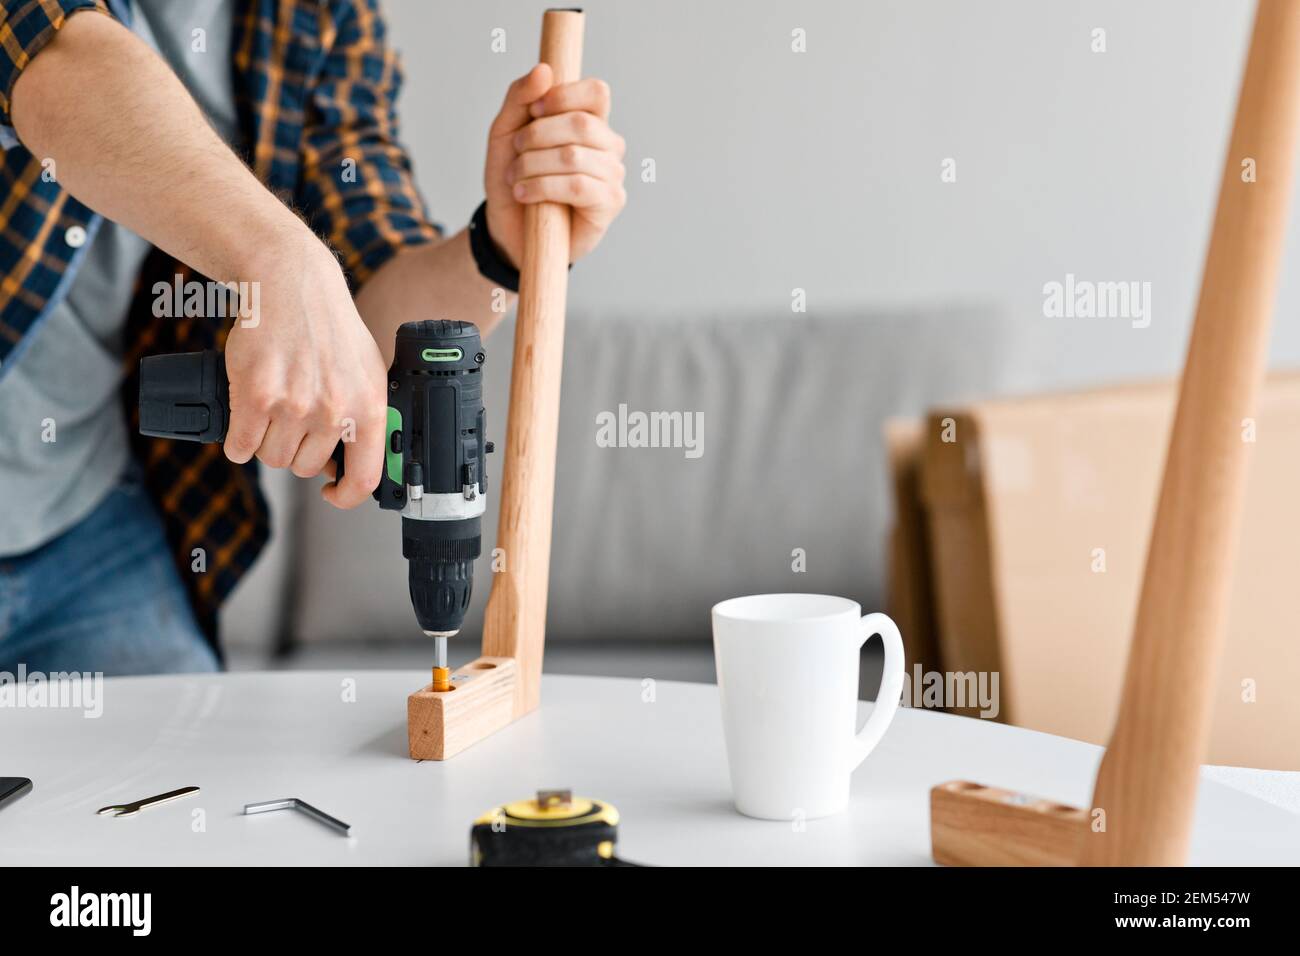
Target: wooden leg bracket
pixel 975 825
pixel 481 702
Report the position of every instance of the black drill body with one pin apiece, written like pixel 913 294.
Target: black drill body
pixel 437 424
pixel 435 450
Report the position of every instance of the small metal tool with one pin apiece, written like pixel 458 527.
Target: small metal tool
pixel 293 803
pixel 130 809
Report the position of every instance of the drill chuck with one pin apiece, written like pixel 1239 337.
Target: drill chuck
pixel 440 556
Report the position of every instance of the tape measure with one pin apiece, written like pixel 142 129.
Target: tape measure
pixel 554 829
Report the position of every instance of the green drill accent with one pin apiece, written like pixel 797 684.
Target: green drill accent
pixel 393 459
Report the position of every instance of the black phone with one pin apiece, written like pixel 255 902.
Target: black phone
pixel 11 788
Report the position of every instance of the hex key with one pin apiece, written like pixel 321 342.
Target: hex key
pixel 301 806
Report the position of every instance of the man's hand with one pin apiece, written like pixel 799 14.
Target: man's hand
pixel 304 372
pixel 553 144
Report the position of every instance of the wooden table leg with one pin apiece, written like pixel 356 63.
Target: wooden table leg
pixel 514 628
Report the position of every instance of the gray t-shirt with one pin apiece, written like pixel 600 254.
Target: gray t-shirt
pixel 63 438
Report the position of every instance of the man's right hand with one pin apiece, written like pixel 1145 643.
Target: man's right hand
pixel 306 371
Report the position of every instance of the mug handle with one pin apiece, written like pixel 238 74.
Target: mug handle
pixel 891 685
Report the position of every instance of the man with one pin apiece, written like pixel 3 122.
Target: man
pixel 124 123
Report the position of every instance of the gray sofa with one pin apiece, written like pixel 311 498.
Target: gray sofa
pixel 647 539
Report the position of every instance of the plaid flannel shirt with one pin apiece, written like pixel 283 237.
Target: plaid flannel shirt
pixel 315 84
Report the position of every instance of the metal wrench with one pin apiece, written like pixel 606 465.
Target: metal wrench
pixel 130 809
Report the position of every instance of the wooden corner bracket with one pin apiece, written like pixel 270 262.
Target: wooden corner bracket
pixel 975 825
pixel 505 683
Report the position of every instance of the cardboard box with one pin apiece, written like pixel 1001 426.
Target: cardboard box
pixel 1038 513
pixel 909 597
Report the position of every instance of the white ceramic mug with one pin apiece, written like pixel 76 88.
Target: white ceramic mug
pixel 788 677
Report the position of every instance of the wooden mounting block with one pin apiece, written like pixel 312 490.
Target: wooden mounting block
pixel 482 701
pixel 975 825
pixel 505 683
pixel 1145 793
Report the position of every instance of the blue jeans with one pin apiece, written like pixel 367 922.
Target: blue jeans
pixel 104 596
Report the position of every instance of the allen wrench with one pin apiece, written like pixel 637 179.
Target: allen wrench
pixel 302 806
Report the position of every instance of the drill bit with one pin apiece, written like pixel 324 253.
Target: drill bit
pixel 441 673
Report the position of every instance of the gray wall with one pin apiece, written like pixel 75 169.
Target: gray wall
pixel 821 170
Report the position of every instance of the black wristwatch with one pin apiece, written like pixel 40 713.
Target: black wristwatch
pixel 491 264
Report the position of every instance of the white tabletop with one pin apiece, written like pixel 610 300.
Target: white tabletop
pixel 245 738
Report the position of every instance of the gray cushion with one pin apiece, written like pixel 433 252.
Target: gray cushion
pixel 646 540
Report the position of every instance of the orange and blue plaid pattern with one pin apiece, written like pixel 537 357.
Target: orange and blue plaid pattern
pixel 316 85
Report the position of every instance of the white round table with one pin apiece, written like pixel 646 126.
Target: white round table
pixel 658 756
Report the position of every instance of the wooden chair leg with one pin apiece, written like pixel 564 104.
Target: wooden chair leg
pixel 514 629
pixel 1146 786
pixel 1145 794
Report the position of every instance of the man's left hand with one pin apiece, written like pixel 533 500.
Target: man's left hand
pixel 553 144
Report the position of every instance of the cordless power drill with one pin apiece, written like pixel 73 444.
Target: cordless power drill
pixel 435 450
